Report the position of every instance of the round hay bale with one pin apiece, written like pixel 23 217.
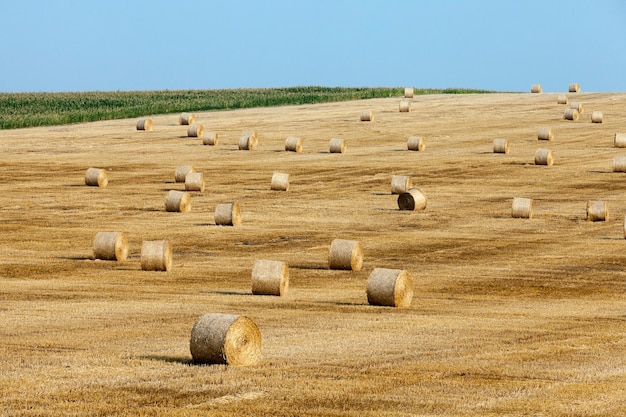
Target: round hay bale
pixel 571 114
pixel 181 172
pixel 574 88
pixel 619 163
pixel 536 88
pixel 248 140
pixel 413 200
pixel 597 211
pixel 415 143
pixel 405 106
pixel 578 106
pixel 178 201
pixel 400 184
pixel 280 182
pixel 227 214
pixel 293 144
pixel 544 133
pixel 156 255
pixel 596 117
pixel 270 278
pixel 186 118
pixel 625 227
pixel 619 140
pixel 544 157
pixel 111 246
pixel 210 138
pixel 337 145
pixel 345 254
pixel 562 99
pixel 367 116
pixel 408 92
pixel 522 208
pixel 389 287
pixel 194 181
pixel 144 124
pixel 96 177
pixel 195 131
pixel 501 146
pixel 225 339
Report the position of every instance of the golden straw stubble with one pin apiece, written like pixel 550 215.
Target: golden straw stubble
pixel 111 246
pixel 413 199
pixel 225 339
pixel 96 177
pixel 389 287
pixel 270 277
pixel 156 255
pixel 345 254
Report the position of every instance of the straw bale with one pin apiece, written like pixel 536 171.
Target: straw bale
pixel 522 208
pixel 186 118
pixel 280 182
pixel 228 214
pixel 413 199
pixel 389 287
pixel 195 131
pixel 181 172
pixel 596 117
pixel 544 133
pixel 544 157
pixel 156 255
pixel 597 211
pixel 345 254
pixel 415 143
pixel 619 163
pixel 112 246
pixel 367 116
pixel 408 92
pixel 293 144
pixel 501 146
pixel 96 177
pixel 248 140
pixel 574 88
pixel 536 88
pixel 400 184
pixel 578 106
pixel 270 278
pixel 405 106
pixel 178 201
pixel 144 124
pixel 562 99
pixel 194 181
pixel 619 140
pixel 571 114
pixel 210 138
pixel 337 145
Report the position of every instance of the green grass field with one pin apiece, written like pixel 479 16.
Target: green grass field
pixel 18 110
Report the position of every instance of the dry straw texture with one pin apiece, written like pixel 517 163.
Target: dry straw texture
pixel 293 144
pixel 111 246
pixel 181 172
pixel 405 106
pixel 544 157
pixel 597 211
pixel 337 145
pixel 413 200
pixel 270 277
pixel 571 114
pixel 389 287
pixel 195 131
pixel 144 124
pixel 544 133
pixel 501 145
pixel 596 116
pixel 156 255
pixel 400 184
pixel 194 181
pixel 96 177
pixel 619 140
pixel 178 201
pixel 345 254
pixel 561 99
pixel 619 163
pixel 228 214
pixel 408 92
pixel 574 88
pixel 186 118
pixel 535 88
pixel 210 138
pixel 367 115
pixel 248 140
pixel 280 181
pixel 522 208
pixel 415 143
pixel 225 339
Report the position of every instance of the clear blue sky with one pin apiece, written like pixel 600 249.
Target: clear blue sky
pixel 63 45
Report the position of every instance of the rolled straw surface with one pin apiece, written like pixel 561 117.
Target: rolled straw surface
pixel 522 208
pixel 280 182
pixel 111 246
pixel 619 163
pixel 577 106
pixel 405 106
pixel 194 181
pixel 501 146
pixel 544 157
pixel 625 227
pixel 597 211
pixel 248 140
pixel 367 116
pixel 571 114
pixel 562 99
pixel 544 133
pixel 96 177
pixel 400 184
pixel 389 287
pixel 210 138
pixel 596 117
pixel 535 88
pixel 225 339
pixel 181 172
pixel 186 118
pixel 415 143
pixel 178 201
pixel 408 92
pixel 337 145
pixel 227 214
pixel 270 278
pixel 293 144
pixel 619 140
pixel 195 131
pixel 144 124
pixel 413 199
pixel 574 88
pixel 156 255
pixel 345 254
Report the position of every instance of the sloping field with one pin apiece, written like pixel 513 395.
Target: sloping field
pixel 510 316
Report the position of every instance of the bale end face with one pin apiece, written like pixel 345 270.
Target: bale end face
pixel 345 254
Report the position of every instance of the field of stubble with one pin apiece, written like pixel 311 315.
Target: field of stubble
pixel 509 317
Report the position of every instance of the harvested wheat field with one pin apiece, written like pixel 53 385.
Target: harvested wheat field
pixel 509 316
